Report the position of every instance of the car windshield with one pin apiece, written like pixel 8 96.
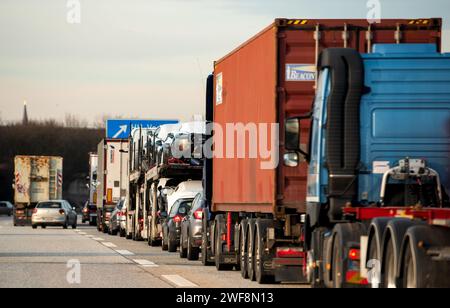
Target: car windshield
pixel 49 205
pixel 181 208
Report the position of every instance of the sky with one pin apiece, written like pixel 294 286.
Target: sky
pixel 143 58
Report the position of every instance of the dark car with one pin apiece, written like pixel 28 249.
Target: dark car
pixel 89 214
pixel 172 224
pixel 6 208
pixel 191 230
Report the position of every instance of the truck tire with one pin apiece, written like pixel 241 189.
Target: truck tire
pixel 193 253
pixel 183 251
pixel 243 248
pixel 114 232
pixel 392 241
pixel 218 251
pixel 34 226
pixel 205 245
pixel 172 247
pixel 420 267
pixel 251 250
pixel 344 236
pixel 165 243
pixel 262 277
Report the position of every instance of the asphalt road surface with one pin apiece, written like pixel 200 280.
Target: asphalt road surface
pixel 57 258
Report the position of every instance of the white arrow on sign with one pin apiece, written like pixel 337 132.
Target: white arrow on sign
pixel 123 129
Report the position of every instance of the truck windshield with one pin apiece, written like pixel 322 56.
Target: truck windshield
pixel 49 205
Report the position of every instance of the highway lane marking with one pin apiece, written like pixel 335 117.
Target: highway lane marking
pixel 98 239
pixel 145 263
pixel 110 245
pixel 124 252
pixel 179 281
pixel 82 233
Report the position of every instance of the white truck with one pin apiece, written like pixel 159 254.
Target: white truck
pixel 93 164
pixel 112 178
pixel 36 179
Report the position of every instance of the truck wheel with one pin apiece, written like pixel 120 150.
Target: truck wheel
pixel 34 226
pixel 192 252
pixel 345 235
pixel 114 232
pixel 183 251
pixel 390 272
pixel 424 263
pixel 243 248
pixel 262 277
pixel 74 226
pixel 338 275
pixel 205 246
pixel 390 257
pixel 172 246
pixel 219 247
pixel 251 250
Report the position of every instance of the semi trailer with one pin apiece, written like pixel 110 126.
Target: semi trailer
pixel 256 218
pixel 112 178
pixel 36 179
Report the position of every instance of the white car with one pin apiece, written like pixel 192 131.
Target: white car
pixel 185 190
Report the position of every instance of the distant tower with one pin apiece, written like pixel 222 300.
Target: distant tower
pixel 25 114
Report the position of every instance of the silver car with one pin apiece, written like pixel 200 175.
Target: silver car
pixel 6 208
pixel 54 213
pixel 191 230
pixel 117 217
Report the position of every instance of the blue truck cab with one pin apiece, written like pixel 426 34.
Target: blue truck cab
pixel 379 139
pixel 402 120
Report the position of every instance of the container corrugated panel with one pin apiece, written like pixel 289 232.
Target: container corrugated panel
pixel 271 77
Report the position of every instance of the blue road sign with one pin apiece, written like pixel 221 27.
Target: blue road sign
pixel 120 129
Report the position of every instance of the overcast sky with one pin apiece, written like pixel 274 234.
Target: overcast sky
pixel 143 58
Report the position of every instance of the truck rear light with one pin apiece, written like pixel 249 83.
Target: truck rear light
pixel 85 210
pixel 198 214
pixel 290 252
pixel 354 254
pixel 61 212
pixel 177 219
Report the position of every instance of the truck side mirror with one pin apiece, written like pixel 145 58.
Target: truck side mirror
pixel 295 152
pixel 292 134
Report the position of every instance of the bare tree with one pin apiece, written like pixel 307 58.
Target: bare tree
pixel 73 121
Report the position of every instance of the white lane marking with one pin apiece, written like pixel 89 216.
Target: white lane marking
pixel 179 281
pixel 99 239
pixel 82 233
pixel 125 252
pixel 110 245
pixel 145 263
